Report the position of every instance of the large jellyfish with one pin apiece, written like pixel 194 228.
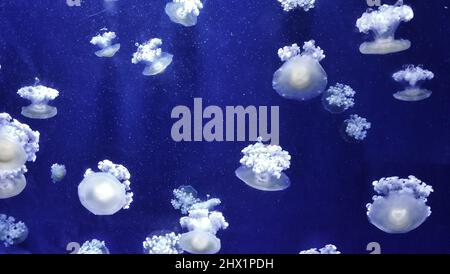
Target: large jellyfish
pixel 93 247
pixel 301 77
pixel 355 128
pixel 39 96
pixel 401 204
pixel 164 243
pixel 106 192
pixel 18 144
pixel 414 76
pixel 184 12
pixel 104 42
pixel 289 5
pixel 156 61
pixel 328 249
pixel 12 232
pixel 262 167
pixel 383 23
pixel 58 172
pixel 338 98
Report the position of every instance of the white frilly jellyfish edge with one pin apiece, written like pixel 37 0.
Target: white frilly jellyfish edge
pixel 414 76
pixel 356 128
pixel 400 205
pixel 58 172
pixel 12 232
pixel 328 249
pixel 107 191
pixel 338 98
pixel 93 247
pixel 39 96
pixel 168 243
pixel 156 61
pixel 104 42
pixel 184 12
pixel 289 5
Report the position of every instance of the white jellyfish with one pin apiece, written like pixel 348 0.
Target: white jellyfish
pixel 356 128
pixel 165 243
pixel 39 96
pixel 383 23
pixel 262 167
pixel 289 5
pixel 58 172
pixel 156 61
pixel 414 76
pixel 106 192
pixel 301 77
pixel 184 12
pixel 18 144
pixel 104 42
pixel 184 198
pixel 93 247
pixel 338 98
pixel 401 204
pixel 12 232
pixel 328 249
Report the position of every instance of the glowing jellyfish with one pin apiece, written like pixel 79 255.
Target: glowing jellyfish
pixel 289 5
pixel 301 77
pixel 338 98
pixel 12 232
pixel 58 172
pixel 39 96
pixel 165 243
pixel 106 192
pixel 401 204
pixel 104 42
pixel 262 167
pixel 18 144
pixel 328 249
pixel 414 76
pixel 93 247
pixel 184 198
pixel 152 56
pixel 184 12
pixel 356 128
pixel 383 23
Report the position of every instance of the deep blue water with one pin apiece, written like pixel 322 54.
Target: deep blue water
pixel 108 110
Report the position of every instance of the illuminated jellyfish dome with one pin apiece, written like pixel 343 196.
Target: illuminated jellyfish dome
pixel 338 98
pixel 18 144
pixel 356 128
pixel 262 167
pixel 104 41
pixel 163 243
pixel 58 172
pixel 289 5
pixel 93 247
pixel 107 191
pixel 301 77
pixel 12 232
pixel 414 76
pixel 184 12
pixel 383 22
pixel 328 249
pixel 400 205
pixel 39 96
pixel 156 61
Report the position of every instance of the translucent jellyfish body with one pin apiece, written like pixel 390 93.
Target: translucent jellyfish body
pixel 301 77
pixel 355 128
pixel 58 172
pixel 401 204
pixel 414 76
pixel 156 61
pixel 39 97
pixel 12 232
pixel 338 98
pixel 328 249
pixel 93 247
pixel 18 144
pixel 104 42
pixel 184 198
pixel 184 12
pixel 262 167
pixel 165 243
pixel 289 5
pixel 106 192
pixel 383 23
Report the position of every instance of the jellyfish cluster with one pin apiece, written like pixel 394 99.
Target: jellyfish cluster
pixel 18 145
pixel 104 41
pixel 301 77
pixel 414 76
pixel 39 96
pixel 184 12
pixel 12 232
pixel 400 205
pixel 107 191
pixel 383 23
pixel 94 246
pixel 289 5
pixel 168 243
pixel 156 61
pixel 328 249
pixel 338 98
pixel 356 128
pixel 58 172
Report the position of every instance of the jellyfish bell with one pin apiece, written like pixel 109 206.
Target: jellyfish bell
pixel 12 186
pixel 109 51
pixel 159 65
pixel 200 242
pixel 39 111
pixel 413 94
pixel 12 153
pixel 265 181
pixel 184 12
pixel 384 46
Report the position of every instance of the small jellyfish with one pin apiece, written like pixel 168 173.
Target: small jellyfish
pixel 39 96
pixel 184 12
pixel 163 243
pixel 156 61
pixel 104 42
pixel 383 23
pixel 301 77
pixel 184 198
pixel 12 232
pixel 93 247
pixel 338 98
pixel 58 172
pixel 328 249
pixel 401 204
pixel 289 5
pixel 414 76
pixel 262 167
pixel 356 128
pixel 106 192
pixel 18 144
